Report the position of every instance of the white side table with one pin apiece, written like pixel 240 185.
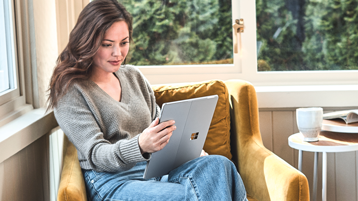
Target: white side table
pixel 328 142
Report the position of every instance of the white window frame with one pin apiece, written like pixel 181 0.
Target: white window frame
pixel 325 88
pixel 18 101
pixel 5 52
pixel 13 92
pixel 193 73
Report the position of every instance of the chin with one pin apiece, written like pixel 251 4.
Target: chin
pixel 117 67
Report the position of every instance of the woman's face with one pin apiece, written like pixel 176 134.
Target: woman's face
pixel 114 48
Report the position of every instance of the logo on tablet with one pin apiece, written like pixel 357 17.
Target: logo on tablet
pixel 194 136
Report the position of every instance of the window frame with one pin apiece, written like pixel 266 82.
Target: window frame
pixel 13 92
pixel 19 101
pixel 3 38
pixel 245 64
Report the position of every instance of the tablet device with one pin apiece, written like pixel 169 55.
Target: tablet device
pixel 192 118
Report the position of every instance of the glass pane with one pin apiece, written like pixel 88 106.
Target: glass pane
pixel 4 79
pixel 307 35
pixel 180 32
pixel 7 55
pixel 4 73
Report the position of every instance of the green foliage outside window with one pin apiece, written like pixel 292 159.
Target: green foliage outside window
pixel 307 35
pixel 170 32
pixel 291 34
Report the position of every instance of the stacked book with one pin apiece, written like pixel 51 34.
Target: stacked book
pixel 345 121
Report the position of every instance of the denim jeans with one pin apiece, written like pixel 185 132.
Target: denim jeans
pixel 205 178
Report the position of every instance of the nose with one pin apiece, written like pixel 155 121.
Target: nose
pixel 116 51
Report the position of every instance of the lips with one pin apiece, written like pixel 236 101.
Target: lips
pixel 115 63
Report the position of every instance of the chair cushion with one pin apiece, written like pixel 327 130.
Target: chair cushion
pixel 218 139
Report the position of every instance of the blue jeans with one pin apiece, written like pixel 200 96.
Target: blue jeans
pixel 205 178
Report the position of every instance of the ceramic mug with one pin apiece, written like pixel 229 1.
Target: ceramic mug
pixel 309 122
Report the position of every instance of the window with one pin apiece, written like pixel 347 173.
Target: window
pixel 174 38
pixel 7 60
pixel 307 35
pixel 15 61
pixel 327 76
pixel 245 62
pixel 181 32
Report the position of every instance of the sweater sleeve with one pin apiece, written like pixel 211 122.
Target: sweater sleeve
pixel 81 123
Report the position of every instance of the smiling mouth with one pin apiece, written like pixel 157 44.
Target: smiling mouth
pixel 115 63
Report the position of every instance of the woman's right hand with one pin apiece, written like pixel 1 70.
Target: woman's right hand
pixel 156 136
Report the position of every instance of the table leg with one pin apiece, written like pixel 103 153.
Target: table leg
pixel 315 176
pixel 300 160
pixel 324 176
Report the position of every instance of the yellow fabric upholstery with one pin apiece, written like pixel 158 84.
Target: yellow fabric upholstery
pixel 72 185
pixel 250 198
pixel 218 139
pixel 265 175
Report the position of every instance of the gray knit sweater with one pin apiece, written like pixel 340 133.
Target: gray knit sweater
pixel 105 131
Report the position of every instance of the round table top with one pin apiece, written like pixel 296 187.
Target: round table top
pixel 328 142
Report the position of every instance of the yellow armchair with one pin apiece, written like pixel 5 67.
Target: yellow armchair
pixel 265 175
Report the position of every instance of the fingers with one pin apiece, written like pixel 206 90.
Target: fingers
pixel 165 134
pixel 161 143
pixel 156 136
pixel 154 123
pixel 203 153
pixel 164 125
pixel 163 138
pixel 167 130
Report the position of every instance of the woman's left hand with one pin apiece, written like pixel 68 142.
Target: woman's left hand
pixel 203 153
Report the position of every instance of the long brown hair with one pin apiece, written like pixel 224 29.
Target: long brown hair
pixel 75 61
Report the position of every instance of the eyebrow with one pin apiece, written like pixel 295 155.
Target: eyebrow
pixel 113 41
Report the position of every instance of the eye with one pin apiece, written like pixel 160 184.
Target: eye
pixel 106 45
pixel 124 43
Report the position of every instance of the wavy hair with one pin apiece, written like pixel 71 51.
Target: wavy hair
pixel 75 61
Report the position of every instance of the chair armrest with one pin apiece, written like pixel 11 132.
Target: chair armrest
pixel 265 175
pixel 268 177
pixel 72 186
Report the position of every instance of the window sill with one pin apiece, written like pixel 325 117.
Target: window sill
pixel 22 131
pixel 307 96
pixel 335 96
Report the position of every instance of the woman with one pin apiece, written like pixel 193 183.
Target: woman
pixel 108 111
